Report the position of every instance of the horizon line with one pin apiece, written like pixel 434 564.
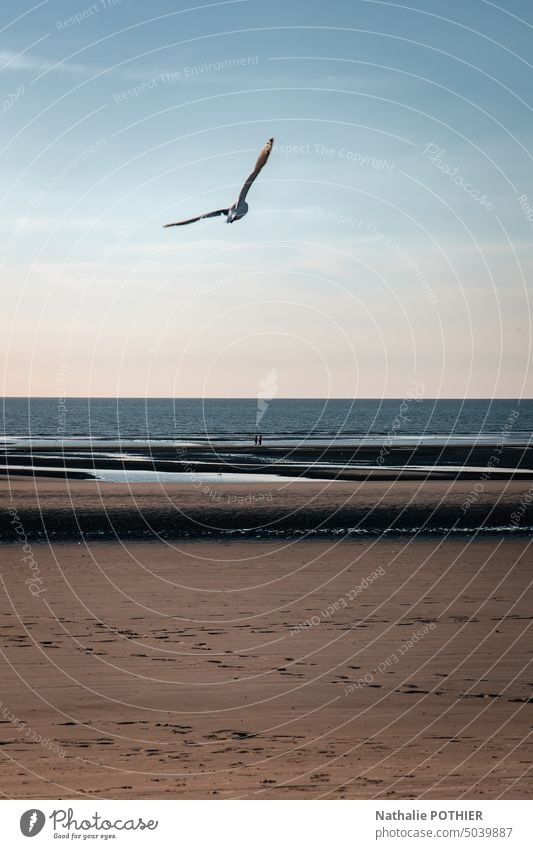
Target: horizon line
pixel 255 397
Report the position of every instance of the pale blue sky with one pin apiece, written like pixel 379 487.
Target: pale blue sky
pixel 388 238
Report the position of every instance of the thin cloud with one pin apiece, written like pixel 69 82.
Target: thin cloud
pixel 12 61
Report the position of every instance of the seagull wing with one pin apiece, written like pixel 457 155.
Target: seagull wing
pixel 198 218
pixel 262 160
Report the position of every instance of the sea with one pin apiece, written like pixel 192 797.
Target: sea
pixel 283 421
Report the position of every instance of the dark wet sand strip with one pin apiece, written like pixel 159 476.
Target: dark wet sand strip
pixel 74 510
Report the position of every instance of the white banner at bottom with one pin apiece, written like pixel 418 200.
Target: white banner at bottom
pixel 266 824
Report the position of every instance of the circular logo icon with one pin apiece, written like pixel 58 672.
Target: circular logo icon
pixel 32 822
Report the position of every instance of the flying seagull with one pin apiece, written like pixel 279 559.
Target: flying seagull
pixel 240 207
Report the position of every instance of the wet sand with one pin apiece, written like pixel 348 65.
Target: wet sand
pixel 91 510
pixel 251 669
pixel 443 459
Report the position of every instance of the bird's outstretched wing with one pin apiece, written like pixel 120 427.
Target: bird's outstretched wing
pixel 198 218
pixel 262 160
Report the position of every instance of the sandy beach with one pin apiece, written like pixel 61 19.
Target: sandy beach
pixel 275 669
